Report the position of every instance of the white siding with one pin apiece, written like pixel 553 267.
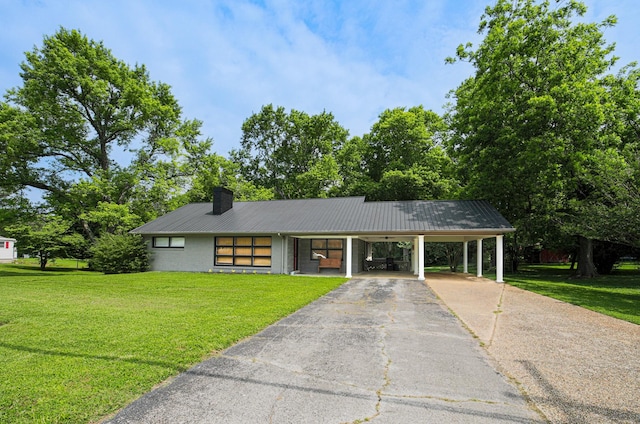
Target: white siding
pixel 7 249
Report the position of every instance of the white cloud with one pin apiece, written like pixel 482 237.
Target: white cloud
pixel 225 59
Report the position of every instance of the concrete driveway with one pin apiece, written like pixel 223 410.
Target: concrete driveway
pixel 374 350
pixel 576 365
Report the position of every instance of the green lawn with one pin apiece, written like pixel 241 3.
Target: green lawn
pixel 76 346
pixel 57 263
pixel 617 295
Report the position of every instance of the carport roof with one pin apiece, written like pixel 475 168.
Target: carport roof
pixel 334 216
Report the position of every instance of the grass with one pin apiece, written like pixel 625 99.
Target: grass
pixel 54 263
pixel 487 272
pixel 76 346
pixel 616 295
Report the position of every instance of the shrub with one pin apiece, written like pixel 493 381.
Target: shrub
pixel 118 254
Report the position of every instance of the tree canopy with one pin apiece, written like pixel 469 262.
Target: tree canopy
pixel 46 237
pixel 401 158
pixel 542 129
pixel 80 115
pixel 290 153
pixel 531 126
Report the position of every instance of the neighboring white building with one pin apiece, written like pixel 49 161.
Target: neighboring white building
pixel 8 251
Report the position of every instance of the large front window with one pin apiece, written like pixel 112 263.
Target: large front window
pixel 243 251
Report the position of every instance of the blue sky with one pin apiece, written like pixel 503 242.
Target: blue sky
pixel 225 59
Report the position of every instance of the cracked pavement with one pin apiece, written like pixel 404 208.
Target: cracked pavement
pixel 373 350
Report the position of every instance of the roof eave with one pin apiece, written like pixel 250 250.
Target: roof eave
pixel 311 234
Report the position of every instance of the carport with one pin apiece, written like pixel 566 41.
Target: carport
pixel 418 250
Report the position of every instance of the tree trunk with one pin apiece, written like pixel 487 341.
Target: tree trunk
pixel 514 259
pixel 586 268
pixel 43 260
pixel 453 256
pixel 88 231
pixel 573 261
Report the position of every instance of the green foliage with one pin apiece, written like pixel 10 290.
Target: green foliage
pixel 47 237
pixel 540 130
pixel 291 154
pixel 14 207
pixel 400 159
pixel 216 171
pixel 77 109
pixel 611 198
pixel 119 254
pixel 527 128
pixel 400 139
pixel 449 253
pixel 418 182
pixel 77 346
pixel 112 218
pixel 350 159
pixel 19 147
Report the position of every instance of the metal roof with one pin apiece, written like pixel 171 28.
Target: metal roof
pixel 340 215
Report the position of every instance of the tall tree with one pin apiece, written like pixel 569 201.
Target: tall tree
pixel 47 237
pixel 79 115
pixel 527 124
pixel 14 207
pixel 401 158
pixel 292 154
pixel 218 171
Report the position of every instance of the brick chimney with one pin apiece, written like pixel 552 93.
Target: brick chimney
pixel 222 200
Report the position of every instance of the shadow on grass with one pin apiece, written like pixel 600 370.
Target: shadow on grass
pixel 39 351
pixel 13 270
pixel 617 294
pixel 588 296
pixel 620 278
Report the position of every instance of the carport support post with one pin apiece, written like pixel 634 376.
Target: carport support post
pixel 421 258
pixel 499 259
pixel 479 258
pixel 465 256
pixel 349 250
pixel 414 256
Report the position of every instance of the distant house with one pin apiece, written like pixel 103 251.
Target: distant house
pixel 8 251
pixel 307 235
